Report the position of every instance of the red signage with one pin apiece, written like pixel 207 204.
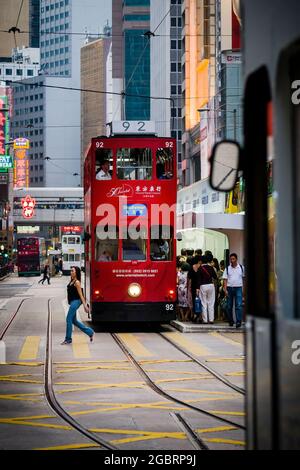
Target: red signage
pixel 70 230
pixel 28 204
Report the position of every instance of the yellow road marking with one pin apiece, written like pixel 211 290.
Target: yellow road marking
pixel 188 344
pixel 27 364
pixel 69 447
pixel 163 361
pixel 99 386
pixel 226 340
pixel 217 429
pixel 82 369
pixel 226 359
pixel 38 425
pixel 134 345
pixel 3 379
pixel 14 397
pixel 174 371
pixel 30 348
pixel 80 363
pixel 80 346
pixel 183 379
pixel 231 413
pixel 236 374
pixel 225 441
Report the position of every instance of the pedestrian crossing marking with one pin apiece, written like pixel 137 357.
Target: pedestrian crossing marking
pixel 80 346
pixel 188 344
pixel 226 340
pixel 135 345
pixel 30 348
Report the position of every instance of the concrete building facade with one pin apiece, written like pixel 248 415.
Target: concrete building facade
pixel 94 76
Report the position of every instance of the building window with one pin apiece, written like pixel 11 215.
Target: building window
pixel 173 21
pixel 8 71
pixel 173 89
pixel 29 73
pixel 173 66
pixel 174 44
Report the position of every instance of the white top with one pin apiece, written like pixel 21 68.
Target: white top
pixel 101 175
pixel 235 276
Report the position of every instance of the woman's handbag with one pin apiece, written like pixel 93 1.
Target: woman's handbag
pixel 223 304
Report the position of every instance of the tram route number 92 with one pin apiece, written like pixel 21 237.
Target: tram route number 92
pixel 169 306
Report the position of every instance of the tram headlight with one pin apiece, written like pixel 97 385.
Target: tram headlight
pixel 134 290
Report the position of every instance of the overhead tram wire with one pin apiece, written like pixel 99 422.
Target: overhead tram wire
pixel 106 36
pixel 15 29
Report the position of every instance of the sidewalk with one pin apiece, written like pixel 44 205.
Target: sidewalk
pixel 221 327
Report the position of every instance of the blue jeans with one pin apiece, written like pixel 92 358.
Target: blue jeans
pixel 237 294
pixel 71 318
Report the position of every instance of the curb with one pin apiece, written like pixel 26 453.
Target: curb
pixel 198 328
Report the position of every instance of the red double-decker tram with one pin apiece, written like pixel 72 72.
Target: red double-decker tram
pixel 31 256
pixel 130 212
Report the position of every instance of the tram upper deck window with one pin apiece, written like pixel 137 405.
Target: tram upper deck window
pixel 164 163
pixel 161 243
pixel 104 164
pixel 134 244
pixel 106 243
pixel 134 164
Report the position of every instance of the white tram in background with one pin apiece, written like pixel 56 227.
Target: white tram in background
pixel 72 248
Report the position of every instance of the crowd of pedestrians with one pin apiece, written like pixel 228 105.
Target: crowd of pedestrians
pixel 209 290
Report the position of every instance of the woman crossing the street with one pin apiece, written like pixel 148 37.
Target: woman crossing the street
pixel 75 299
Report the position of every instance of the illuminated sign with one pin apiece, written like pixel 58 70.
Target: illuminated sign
pixel 21 166
pixel 4 132
pixel 28 228
pixel 28 204
pixel 71 229
pixel 5 161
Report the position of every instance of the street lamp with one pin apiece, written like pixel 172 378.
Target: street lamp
pixel 227 111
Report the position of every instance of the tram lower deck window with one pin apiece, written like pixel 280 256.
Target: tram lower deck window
pixel 106 243
pixel 161 243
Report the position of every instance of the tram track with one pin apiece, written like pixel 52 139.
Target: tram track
pixel 10 320
pixel 218 376
pixel 165 394
pixel 48 384
pixel 50 395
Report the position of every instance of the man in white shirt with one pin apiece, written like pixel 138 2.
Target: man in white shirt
pixel 233 285
pixel 104 174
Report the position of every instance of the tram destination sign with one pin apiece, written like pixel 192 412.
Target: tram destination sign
pixel 133 127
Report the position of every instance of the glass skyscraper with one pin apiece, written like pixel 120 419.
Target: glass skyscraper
pixel 136 22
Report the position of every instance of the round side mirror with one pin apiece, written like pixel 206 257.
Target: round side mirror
pixel 225 162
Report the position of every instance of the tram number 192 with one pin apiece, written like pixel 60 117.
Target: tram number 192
pixel 169 306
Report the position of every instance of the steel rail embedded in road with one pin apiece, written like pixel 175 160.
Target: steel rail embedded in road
pixel 162 392
pixel 10 320
pixel 202 364
pixel 50 395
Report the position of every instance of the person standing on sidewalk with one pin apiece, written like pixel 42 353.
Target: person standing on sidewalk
pixel 207 275
pixel 75 299
pixel 233 286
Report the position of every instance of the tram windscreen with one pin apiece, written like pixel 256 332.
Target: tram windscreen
pixel 134 244
pixel 134 164
pixel 104 164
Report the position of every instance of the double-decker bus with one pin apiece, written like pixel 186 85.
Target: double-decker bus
pixel 130 195
pixel 72 248
pixel 31 256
